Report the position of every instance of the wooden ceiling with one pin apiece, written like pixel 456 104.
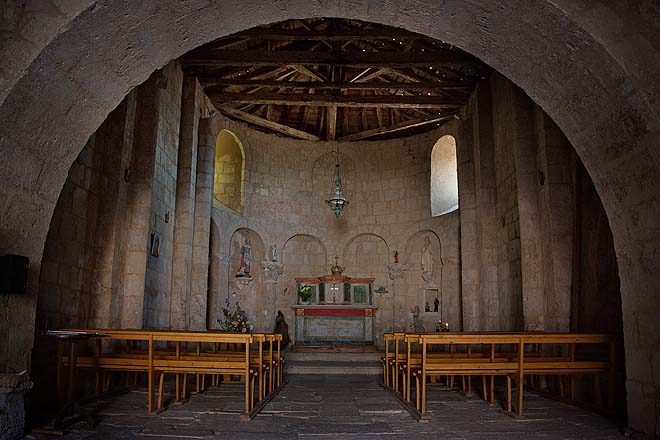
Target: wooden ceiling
pixel 335 79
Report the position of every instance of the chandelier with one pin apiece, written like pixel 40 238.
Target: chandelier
pixel 337 201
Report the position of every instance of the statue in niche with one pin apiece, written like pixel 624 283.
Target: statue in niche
pixel 436 303
pixel 427 256
pixel 282 328
pixel 273 253
pixel 417 322
pixel 246 260
pixel 396 257
pixel 428 307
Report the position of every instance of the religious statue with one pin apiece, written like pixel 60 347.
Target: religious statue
pixel 282 328
pixel 436 303
pixel 428 307
pixel 273 253
pixel 246 260
pixel 427 256
pixel 417 323
pixel 396 257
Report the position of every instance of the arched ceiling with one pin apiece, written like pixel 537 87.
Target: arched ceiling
pixel 335 79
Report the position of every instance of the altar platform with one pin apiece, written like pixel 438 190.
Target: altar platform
pixel 334 324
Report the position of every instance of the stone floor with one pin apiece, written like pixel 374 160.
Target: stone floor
pixel 339 407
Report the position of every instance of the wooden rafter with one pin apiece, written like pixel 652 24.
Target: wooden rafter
pixel 256 120
pixel 391 129
pixel 351 85
pixel 329 58
pixel 394 101
pixel 335 79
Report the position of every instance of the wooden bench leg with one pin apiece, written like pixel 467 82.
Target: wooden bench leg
pixel 508 393
pixel 483 385
pixel 160 390
pixel 598 394
pixel 177 387
pixel 106 385
pixel 492 390
pixel 185 386
pixel 418 404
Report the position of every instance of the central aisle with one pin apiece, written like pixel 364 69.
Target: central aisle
pixel 339 407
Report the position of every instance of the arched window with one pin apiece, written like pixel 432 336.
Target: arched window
pixel 444 177
pixel 229 171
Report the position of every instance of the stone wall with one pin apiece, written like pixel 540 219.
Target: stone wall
pixel 388 186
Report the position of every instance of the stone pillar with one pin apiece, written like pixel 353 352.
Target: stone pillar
pixel 138 203
pixel 115 143
pixel 185 204
pixel 524 146
pixel 271 271
pixel 470 303
pixel 556 160
pixel 201 233
pixel 487 221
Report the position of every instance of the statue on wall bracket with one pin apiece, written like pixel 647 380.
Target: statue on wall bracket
pixel 246 260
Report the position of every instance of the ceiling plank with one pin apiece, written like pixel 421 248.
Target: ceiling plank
pixel 391 129
pixel 256 120
pixel 395 101
pixel 258 57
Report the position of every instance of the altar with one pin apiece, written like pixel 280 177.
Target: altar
pixel 334 309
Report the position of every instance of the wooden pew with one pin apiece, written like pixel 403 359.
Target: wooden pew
pixel 157 362
pixel 513 364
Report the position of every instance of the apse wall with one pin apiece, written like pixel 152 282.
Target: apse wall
pixel 387 184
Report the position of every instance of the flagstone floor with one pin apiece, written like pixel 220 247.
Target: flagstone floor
pixel 338 407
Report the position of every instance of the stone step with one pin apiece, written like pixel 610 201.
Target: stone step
pixel 369 368
pixel 331 357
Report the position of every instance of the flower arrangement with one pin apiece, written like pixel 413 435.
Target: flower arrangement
pixel 305 293
pixel 236 321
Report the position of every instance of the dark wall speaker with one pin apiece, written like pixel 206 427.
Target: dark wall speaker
pixel 14 273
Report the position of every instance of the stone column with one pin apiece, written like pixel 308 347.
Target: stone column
pixel 271 271
pixel 468 214
pixel 524 147
pixel 201 233
pixel 138 203
pixel 487 221
pixel 185 204
pixel 115 143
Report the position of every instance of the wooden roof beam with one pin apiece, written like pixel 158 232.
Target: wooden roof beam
pixel 359 59
pixel 310 72
pixel 357 85
pixel 391 129
pixel 256 120
pixel 392 101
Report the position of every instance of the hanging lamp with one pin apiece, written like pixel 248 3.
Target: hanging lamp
pixel 337 201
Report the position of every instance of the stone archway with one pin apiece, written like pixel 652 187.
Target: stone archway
pixel 591 67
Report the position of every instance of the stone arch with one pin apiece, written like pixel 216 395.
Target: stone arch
pixel 444 176
pixel 303 255
pixel 366 254
pixel 68 82
pixel 228 181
